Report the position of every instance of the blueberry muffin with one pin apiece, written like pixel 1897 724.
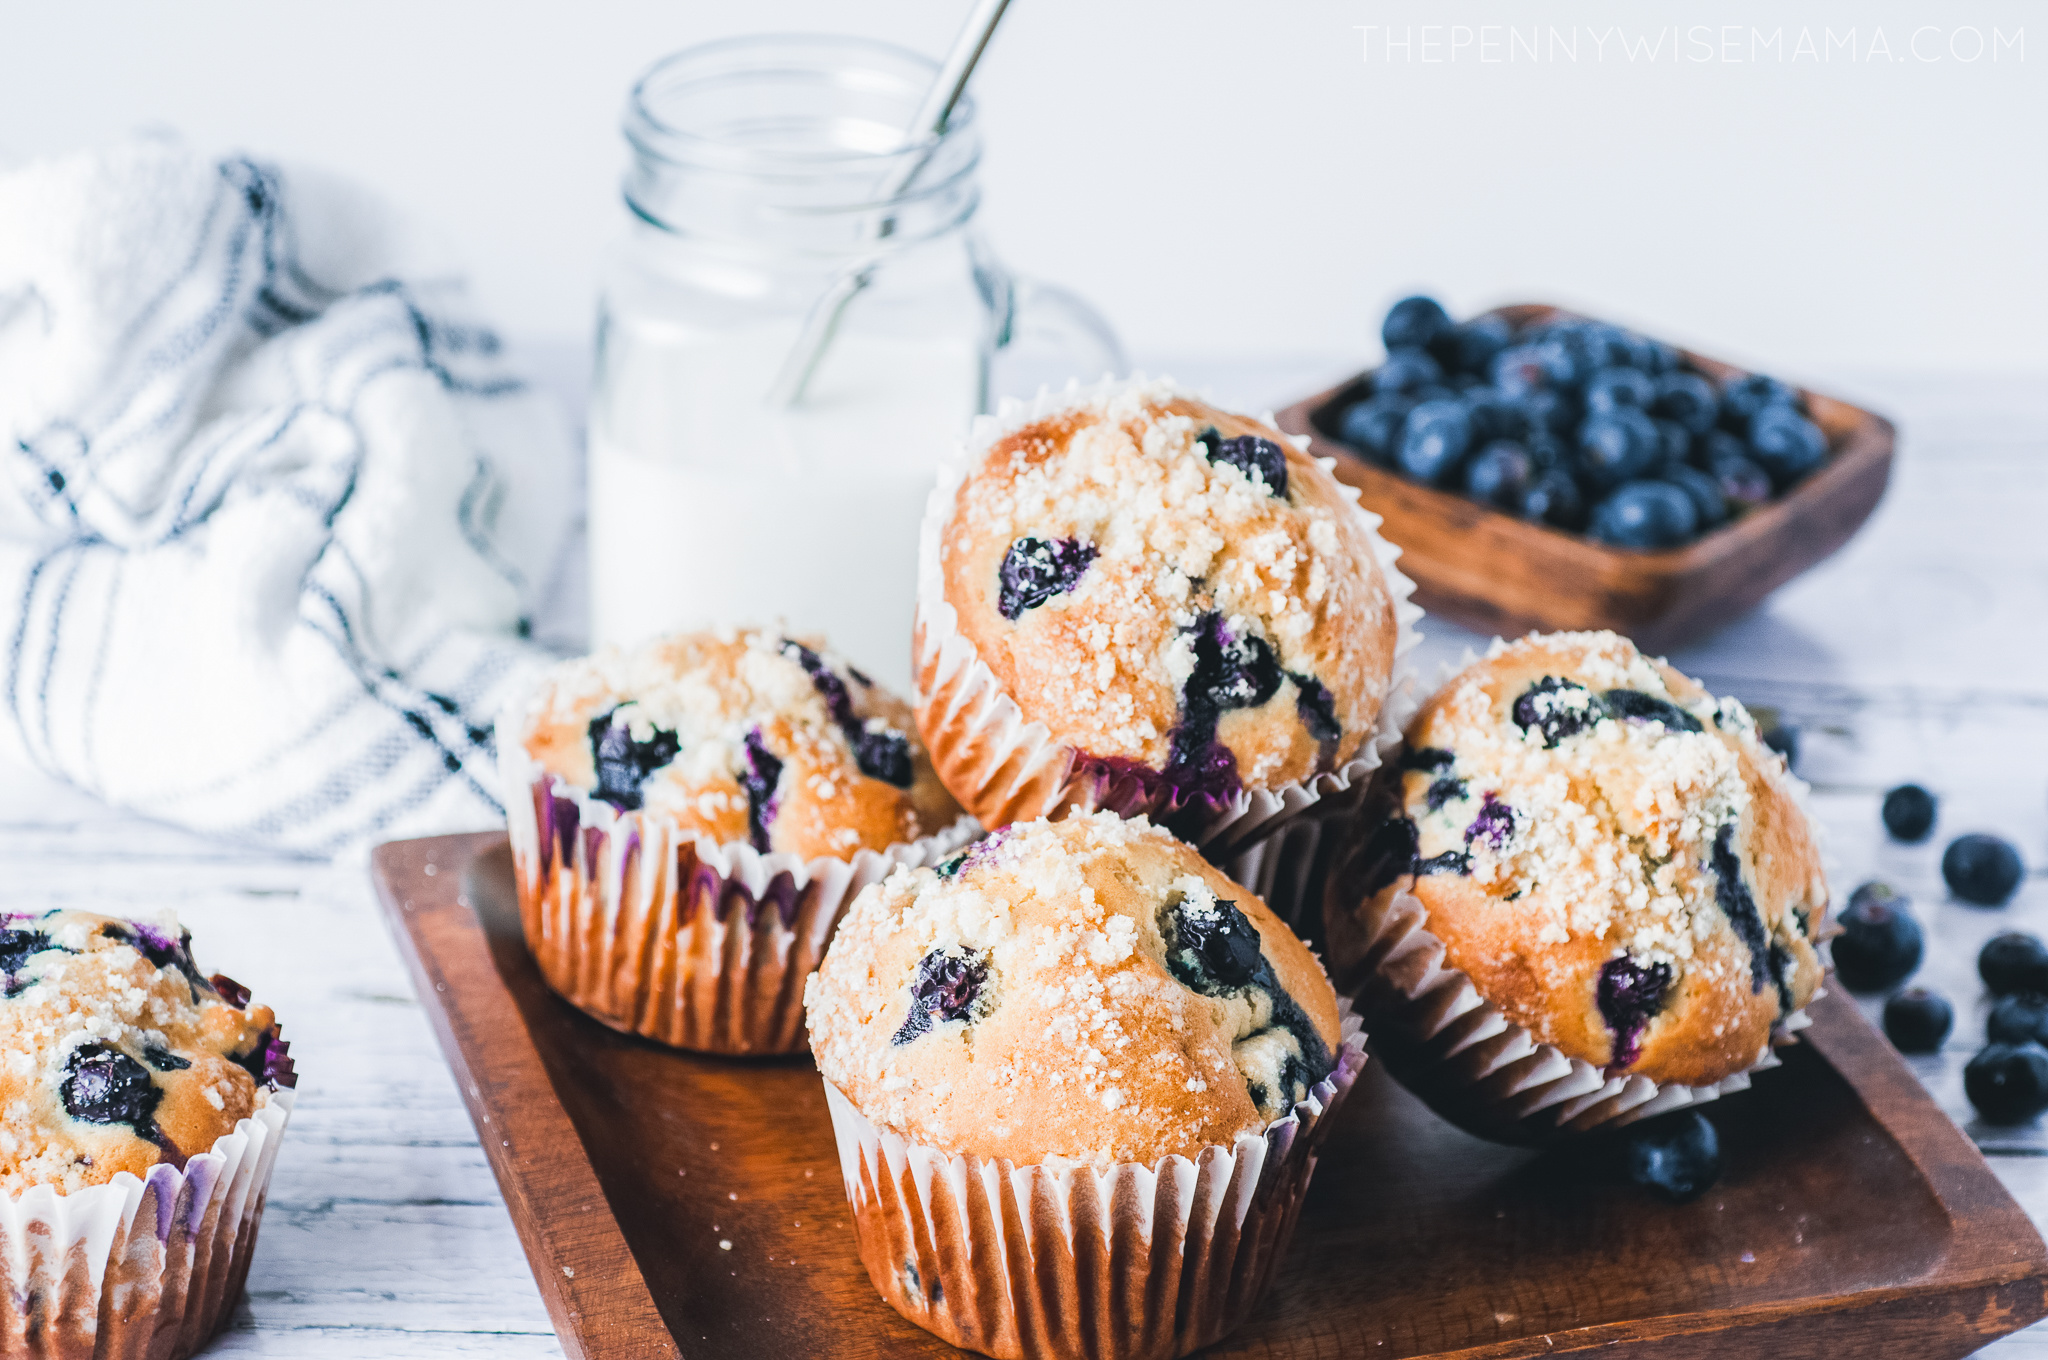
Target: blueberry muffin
pixel 689 818
pixel 1609 855
pixel 740 736
pixel 126 1064
pixel 1185 605
pixel 1088 995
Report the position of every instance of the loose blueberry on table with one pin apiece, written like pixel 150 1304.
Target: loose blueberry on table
pixel 1631 411
pixel 2008 1083
pixel 2016 1018
pixel 1981 869
pixel 1678 1156
pixel 2014 962
pixel 1881 942
pixel 1917 1020
pixel 1908 813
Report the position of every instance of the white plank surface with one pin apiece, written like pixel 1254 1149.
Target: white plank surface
pixel 1916 653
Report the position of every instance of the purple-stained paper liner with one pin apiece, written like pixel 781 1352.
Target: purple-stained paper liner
pixel 1011 770
pixel 1064 1261
pixel 668 934
pixel 1467 1060
pixel 142 1267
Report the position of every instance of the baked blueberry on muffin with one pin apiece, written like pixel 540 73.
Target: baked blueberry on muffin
pixel 1187 606
pixel 1090 997
pixel 1609 855
pixel 669 800
pixel 128 1072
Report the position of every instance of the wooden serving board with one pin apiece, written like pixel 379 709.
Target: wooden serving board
pixel 682 1205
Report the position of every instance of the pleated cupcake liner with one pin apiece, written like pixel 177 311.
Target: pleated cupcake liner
pixel 1006 769
pixel 1290 869
pixel 667 934
pixel 1066 1261
pixel 1468 1061
pixel 140 1268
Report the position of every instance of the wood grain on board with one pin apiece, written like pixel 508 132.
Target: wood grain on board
pixel 698 1203
pixel 1496 573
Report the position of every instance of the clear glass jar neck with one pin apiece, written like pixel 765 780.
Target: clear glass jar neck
pixel 793 145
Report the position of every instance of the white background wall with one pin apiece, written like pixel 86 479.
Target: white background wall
pixel 1221 176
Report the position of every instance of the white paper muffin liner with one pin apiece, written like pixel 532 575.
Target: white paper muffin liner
pixel 1065 1261
pixel 1015 770
pixel 671 935
pixel 1290 869
pixel 140 1268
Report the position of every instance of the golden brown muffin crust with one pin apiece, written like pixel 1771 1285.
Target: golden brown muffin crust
pixel 1176 538
pixel 1071 1033
pixel 727 698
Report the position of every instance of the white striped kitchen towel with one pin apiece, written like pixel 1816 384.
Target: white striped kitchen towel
pixel 275 505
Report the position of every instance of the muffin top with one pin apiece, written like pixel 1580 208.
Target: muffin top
pixel 120 1054
pixel 740 736
pixel 1174 591
pixel 1610 853
pixel 1090 990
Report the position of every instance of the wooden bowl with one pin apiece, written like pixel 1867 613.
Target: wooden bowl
pixel 1495 573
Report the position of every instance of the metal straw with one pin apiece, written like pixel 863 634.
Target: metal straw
pixel 928 126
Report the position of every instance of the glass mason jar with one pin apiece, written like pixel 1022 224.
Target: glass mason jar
pixel 765 174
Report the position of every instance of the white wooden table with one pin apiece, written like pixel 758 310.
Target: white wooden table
pixel 1916 653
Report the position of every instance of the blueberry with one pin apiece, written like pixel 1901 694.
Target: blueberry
pixel 1469 348
pixel 1674 443
pixel 1707 500
pixel 946 985
pixel 1603 346
pixel 1612 387
pixel 1777 733
pixel 824 680
pixel 163 1060
pixel 1628 994
pixel 760 774
pixel 1548 408
pixel 2008 1083
pixel 1495 823
pixel 1743 484
pixel 1554 499
pixel 1231 672
pixel 623 763
pixel 1414 322
pixel 1786 444
pixel 17 945
pixel 164 951
pixel 1688 399
pixel 2017 1018
pixel 1386 854
pixel 1494 415
pixel 1449 862
pixel 1251 455
pixel 1556 708
pixel 103 1085
pixel 1632 705
pixel 1744 397
pixel 1437 437
pixel 1500 475
pixel 884 756
pixel 1981 869
pixel 1908 813
pixel 1715 447
pixel 1678 1156
pixel 269 1060
pixel 1546 451
pixel 1405 370
pixel 1653 357
pixel 1881 944
pixel 1917 1020
pixel 2014 962
pixel 1035 570
pixel 1738 904
pixel 1618 445
pixel 1373 427
pixel 1428 758
pixel 1524 368
pixel 1645 516
pixel 1212 947
pixel 1445 790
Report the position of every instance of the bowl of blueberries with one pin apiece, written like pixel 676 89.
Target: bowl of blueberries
pixel 1541 469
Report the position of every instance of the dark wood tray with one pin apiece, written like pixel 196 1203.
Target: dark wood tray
pixel 679 1205
pixel 1498 574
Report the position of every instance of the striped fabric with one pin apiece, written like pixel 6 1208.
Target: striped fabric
pixel 274 504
